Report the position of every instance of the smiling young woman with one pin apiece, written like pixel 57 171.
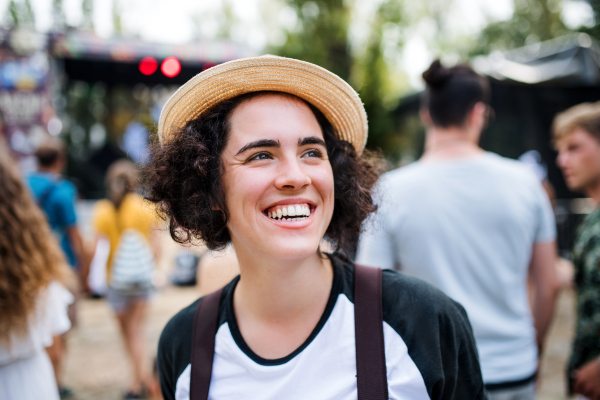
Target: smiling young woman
pixel 264 153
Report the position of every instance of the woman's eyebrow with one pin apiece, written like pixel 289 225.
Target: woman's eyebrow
pixel 259 143
pixel 311 140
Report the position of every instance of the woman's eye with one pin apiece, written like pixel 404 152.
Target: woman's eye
pixel 313 153
pixel 260 156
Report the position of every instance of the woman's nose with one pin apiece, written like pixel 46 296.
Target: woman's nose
pixel 291 175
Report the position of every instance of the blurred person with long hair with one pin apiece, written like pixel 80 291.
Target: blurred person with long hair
pixel 475 225
pixel 56 197
pixel 576 136
pixel 127 221
pixel 34 275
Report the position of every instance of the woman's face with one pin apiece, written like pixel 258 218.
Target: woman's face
pixel 278 180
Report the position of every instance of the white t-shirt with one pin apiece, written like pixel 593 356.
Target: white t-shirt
pixel 25 370
pixel 468 227
pixel 429 349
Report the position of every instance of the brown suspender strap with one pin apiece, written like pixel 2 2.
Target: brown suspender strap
pixel 206 320
pixel 371 377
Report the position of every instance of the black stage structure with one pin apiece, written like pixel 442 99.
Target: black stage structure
pixel 80 56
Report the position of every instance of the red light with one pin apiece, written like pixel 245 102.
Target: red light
pixel 148 66
pixel 170 67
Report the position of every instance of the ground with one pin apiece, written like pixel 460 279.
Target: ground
pixel 97 366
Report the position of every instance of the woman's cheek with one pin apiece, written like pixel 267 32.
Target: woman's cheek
pixel 252 184
pixel 323 180
pixel 256 179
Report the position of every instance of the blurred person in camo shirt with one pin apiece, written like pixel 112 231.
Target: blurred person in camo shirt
pixel 576 135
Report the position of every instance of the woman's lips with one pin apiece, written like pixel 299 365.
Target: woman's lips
pixel 289 212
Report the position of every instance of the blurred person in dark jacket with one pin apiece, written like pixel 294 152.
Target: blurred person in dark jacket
pixel 576 135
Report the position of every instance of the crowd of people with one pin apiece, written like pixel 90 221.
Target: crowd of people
pixel 450 295
pixel 35 271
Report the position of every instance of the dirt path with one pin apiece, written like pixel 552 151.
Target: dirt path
pixel 97 366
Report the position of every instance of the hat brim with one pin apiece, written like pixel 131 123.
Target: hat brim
pixel 335 98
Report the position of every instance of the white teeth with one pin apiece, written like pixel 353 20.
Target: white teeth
pixel 299 211
pixel 288 219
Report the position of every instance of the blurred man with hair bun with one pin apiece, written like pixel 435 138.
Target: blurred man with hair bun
pixel 475 225
pixel 576 135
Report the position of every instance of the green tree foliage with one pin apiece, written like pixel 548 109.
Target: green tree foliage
pixel 372 76
pixel 20 14
pixel 321 35
pixel 594 30
pixel 58 15
pixel 533 21
pixel 116 17
pixel 87 9
pixel 228 19
pixel 215 24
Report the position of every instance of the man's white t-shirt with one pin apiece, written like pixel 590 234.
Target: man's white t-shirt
pixel 468 227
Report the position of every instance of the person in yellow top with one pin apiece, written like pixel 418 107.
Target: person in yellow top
pixel 133 213
pixel 128 222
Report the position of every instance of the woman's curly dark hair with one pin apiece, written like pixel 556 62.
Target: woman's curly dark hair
pixel 183 177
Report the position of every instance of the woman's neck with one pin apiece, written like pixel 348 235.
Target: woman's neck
pixel 278 303
pixel 282 289
pixel 450 143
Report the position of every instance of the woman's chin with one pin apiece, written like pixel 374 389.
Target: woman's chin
pixel 297 250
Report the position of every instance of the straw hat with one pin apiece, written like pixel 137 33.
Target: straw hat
pixel 326 91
